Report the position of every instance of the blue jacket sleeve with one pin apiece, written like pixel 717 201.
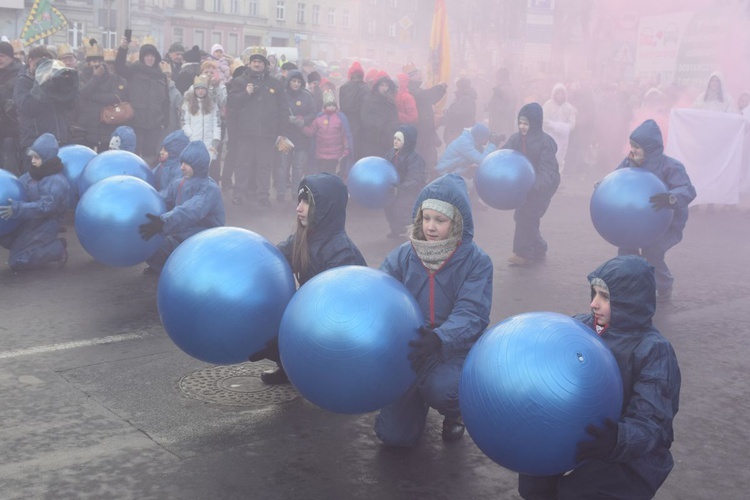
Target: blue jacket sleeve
pixel 286 247
pixel 53 200
pixel 646 423
pixel 678 183
pixel 192 211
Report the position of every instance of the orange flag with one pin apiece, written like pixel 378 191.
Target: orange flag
pixel 439 68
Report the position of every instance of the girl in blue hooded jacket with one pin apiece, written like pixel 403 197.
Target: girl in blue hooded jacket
pixel 194 204
pixel 34 242
pixel 451 279
pixel 412 174
pixel 630 458
pixel 540 149
pixel 319 243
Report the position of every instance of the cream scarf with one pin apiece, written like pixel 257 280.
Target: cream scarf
pixel 433 254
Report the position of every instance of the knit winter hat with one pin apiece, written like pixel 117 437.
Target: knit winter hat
pixel 329 98
pixel 287 66
pixel 193 55
pixel 600 283
pixel 314 76
pixel 45 147
pixel 176 47
pixel 441 206
pixel 480 133
pixel 7 49
pixel 216 47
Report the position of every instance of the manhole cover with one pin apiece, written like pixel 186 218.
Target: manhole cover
pixel 236 385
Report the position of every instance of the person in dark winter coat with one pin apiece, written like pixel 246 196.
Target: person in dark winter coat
pixel 34 242
pixel 168 168
pixel 258 110
pixel 302 112
pixel 148 93
pixel 647 152
pixel 44 97
pixel 191 67
pixel 99 88
pixel 501 107
pixel 351 96
pixel 10 69
pixel 123 138
pixel 174 57
pixel 379 118
pixel 451 280
pixel 462 113
pixel 412 178
pixel 540 149
pixel 426 98
pixel 320 243
pixel 194 204
pixel 629 458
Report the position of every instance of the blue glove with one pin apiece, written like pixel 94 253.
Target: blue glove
pixel 605 439
pixel 427 345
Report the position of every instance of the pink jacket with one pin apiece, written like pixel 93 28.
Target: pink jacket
pixel 330 137
pixel 407 106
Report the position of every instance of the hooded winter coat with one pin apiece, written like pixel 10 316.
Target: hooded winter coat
pixel 194 203
pixel 300 105
pixel 379 117
pixel 412 174
pixel 405 102
pixel 8 118
pixel 165 172
pixel 351 96
pixel 148 91
pixel 720 101
pixel 328 244
pixel 462 154
pixel 671 172
pixel 97 92
pixel 263 113
pixel 455 299
pixel 559 120
pixel 126 137
pixel 650 377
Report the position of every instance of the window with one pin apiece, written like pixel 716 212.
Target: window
pixel 177 35
pixel 331 17
pixel 233 43
pixel 216 37
pixel 109 39
pixel 316 15
pixel 392 30
pixel 280 10
pixel 372 27
pixel 75 34
pixel 199 38
pixel 301 13
pixel 252 41
pixel 252 6
pixel 345 19
pixel 234 7
pixel 218 6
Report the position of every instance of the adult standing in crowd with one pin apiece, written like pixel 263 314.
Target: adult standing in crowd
pixel 379 117
pixel 501 108
pixel 351 96
pixel 191 67
pixel 148 92
pixel 174 57
pixel 10 69
pixel 425 98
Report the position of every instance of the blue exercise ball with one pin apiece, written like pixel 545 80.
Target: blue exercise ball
pixel 113 162
pixel 344 339
pixel 74 158
pixel 222 293
pixel 10 189
pixel 530 386
pixel 107 219
pixel 371 182
pixel 622 213
pixel 504 179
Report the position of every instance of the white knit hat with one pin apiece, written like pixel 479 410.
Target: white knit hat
pixel 439 206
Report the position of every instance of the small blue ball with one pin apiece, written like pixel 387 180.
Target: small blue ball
pixel 344 339
pixel 622 213
pixel 504 179
pixel 222 293
pixel 371 181
pixel 107 219
pixel 530 386
pixel 10 189
pixel 113 162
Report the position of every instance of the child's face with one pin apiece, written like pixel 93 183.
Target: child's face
pixel 201 91
pixel 435 225
pixel 398 141
pixel 303 208
pixel 36 161
pixel 330 109
pixel 187 170
pixel 523 125
pixel 600 306
pixel 637 155
pixel 163 155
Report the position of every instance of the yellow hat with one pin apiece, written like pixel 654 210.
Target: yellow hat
pixel 148 39
pixel 63 50
pixel 251 51
pixel 93 50
pixel 109 55
pixel 200 81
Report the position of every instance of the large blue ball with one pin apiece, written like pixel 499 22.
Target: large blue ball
pixel 107 219
pixel 10 189
pixel 222 293
pixel 113 162
pixel 344 339
pixel 622 213
pixel 504 179
pixel 531 385
pixel 371 181
pixel 74 158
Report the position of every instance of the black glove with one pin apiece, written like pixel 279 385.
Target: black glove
pixel 425 346
pixel 605 439
pixel 271 352
pixel 497 139
pixel 152 227
pixel 662 200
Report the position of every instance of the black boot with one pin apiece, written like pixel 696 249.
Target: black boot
pixel 275 376
pixel 453 429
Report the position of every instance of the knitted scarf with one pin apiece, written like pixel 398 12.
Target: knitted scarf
pixel 433 254
pixel 49 167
